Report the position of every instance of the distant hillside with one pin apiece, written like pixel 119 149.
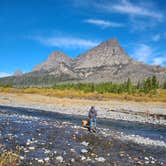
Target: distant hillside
pixel 107 62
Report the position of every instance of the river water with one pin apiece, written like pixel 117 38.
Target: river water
pixel 42 136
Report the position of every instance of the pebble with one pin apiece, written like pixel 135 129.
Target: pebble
pixel 31 148
pixel 85 143
pixel 88 159
pixel 152 162
pixel 72 150
pixel 100 159
pixel 40 161
pixel 93 154
pixel 22 157
pixel 83 157
pixel 84 151
pixel 47 151
pixel 72 160
pixel 59 158
pixel 47 159
pixel 146 162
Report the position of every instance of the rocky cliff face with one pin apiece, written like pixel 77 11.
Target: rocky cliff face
pixel 108 53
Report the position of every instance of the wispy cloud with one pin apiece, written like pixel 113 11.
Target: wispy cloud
pixel 148 54
pixel 4 74
pixel 126 7
pixel 156 37
pixel 142 52
pixel 103 23
pixel 66 42
pixel 159 61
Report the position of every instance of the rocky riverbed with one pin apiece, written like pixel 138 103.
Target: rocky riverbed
pixel 49 138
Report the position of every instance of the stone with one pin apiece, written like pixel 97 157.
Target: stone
pixel 83 157
pixel 47 159
pixel 72 150
pixel 146 162
pixel 85 143
pixel 84 150
pixel 59 158
pixel 100 159
pixel 72 160
pixel 22 157
pixel 40 161
pixel 31 148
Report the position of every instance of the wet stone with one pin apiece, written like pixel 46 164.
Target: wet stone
pixel 59 158
pixel 84 151
pixel 100 159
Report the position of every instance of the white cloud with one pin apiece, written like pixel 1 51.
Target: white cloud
pixel 103 23
pixel 156 37
pixel 142 52
pixel 148 55
pixel 66 42
pixel 126 7
pixel 159 61
pixel 4 74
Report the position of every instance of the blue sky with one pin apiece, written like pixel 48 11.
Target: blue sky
pixel 31 29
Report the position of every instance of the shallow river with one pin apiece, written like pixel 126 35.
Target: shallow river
pixel 42 136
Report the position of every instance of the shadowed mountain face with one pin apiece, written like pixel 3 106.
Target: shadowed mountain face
pixel 106 62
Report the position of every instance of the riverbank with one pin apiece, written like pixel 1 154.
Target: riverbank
pixel 115 109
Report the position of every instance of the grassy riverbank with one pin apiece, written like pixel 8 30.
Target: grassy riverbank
pixel 159 96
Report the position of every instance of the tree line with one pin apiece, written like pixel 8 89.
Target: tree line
pixel 151 84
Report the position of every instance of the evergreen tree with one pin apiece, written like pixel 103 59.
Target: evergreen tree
pixel 155 83
pixel 129 86
pixel 164 85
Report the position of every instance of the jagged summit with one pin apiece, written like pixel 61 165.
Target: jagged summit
pixel 53 60
pixel 111 42
pixel 107 53
pixel 58 56
pixel 18 73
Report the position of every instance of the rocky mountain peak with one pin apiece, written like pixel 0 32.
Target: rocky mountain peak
pixel 108 53
pixel 58 56
pixel 53 60
pixel 18 73
pixel 112 42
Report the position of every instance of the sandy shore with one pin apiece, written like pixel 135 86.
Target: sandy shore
pixel 106 109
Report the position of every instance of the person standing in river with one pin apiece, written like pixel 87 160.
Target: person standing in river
pixel 92 118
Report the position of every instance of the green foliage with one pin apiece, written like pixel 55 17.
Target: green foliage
pixel 164 85
pixel 149 85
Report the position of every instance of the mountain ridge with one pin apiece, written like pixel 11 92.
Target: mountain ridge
pixel 107 62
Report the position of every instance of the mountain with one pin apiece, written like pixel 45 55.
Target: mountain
pixel 109 62
pixel 108 53
pixel 53 61
pixel 18 73
pixel 106 62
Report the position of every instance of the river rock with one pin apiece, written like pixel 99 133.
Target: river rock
pixel 59 158
pixel 72 160
pixel 83 157
pixel 84 150
pixel 31 148
pixel 40 161
pixel 22 157
pixel 85 143
pixel 100 159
